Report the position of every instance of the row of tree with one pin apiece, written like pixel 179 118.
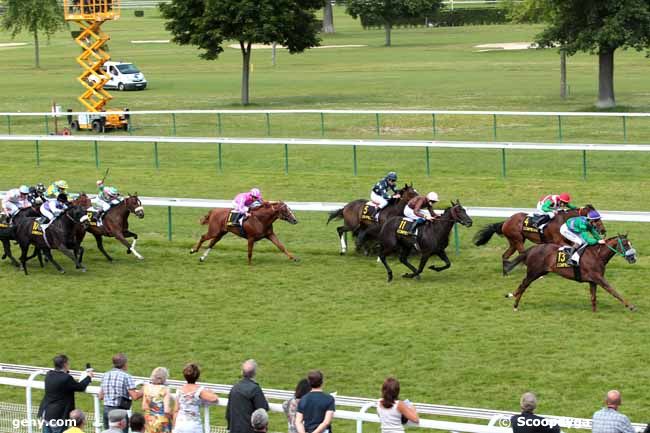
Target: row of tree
pixel 595 26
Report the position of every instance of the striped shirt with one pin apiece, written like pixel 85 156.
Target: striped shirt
pixel 608 420
pixel 116 383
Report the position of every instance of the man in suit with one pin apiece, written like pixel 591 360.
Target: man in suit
pixel 528 422
pixel 245 397
pixel 58 401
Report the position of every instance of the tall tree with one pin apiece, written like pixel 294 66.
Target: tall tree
pixel 209 23
pixel 388 12
pixel 328 17
pixel 598 26
pixel 33 16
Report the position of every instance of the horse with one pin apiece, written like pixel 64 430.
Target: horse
pixel 513 230
pixel 59 235
pixel 115 223
pixel 352 221
pixel 8 233
pixel 432 239
pixel 542 259
pixel 258 226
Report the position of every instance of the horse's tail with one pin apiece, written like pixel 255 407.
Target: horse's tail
pixel 335 214
pixel 205 218
pixel 485 234
pixel 509 266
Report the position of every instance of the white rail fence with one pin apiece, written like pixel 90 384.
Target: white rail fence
pixel 495 418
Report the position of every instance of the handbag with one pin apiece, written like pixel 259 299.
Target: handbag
pixel 124 403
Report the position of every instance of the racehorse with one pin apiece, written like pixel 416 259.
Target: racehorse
pixel 59 235
pixel 367 230
pixel 513 230
pixel 115 223
pixel 258 226
pixel 7 234
pixel 542 259
pixel 432 239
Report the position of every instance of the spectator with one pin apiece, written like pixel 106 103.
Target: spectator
pixel 245 397
pixel 316 409
pixel 609 419
pixel 118 421
pixel 291 406
pixel 137 423
pixel 393 412
pixel 260 421
pixel 156 402
pixel 189 398
pixel 118 389
pixel 79 420
pixel 528 422
pixel 58 400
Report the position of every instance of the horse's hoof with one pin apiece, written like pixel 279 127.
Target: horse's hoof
pixel 390 278
pixel 515 309
pixel 62 271
pixel 417 277
pixel 201 259
pixel 84 270
pixel 295 259
pixel 509 295
pixel 407 276
pixel 631 307
pixel 192 251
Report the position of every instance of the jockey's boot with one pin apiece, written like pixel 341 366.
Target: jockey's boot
pixel 577 254
pixel 377 215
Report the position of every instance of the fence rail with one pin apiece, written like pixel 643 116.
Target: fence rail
pixel 360 403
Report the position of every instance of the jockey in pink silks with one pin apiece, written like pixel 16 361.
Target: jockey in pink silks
pixel 243 202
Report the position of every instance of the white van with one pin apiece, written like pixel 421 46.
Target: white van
pixel 124 76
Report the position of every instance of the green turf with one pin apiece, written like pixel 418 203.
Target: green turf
pixel 451 338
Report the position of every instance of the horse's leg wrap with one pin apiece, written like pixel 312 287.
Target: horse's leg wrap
pixel 135 253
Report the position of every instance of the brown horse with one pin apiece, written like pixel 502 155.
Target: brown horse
pixel 115 223
pixel 258 226
pixel 368 230
pixel 513 230
pixel 542 259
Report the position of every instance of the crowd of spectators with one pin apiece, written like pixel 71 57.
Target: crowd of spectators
pixel 311 410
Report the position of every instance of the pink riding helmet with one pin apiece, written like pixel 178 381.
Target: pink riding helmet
pixel 254 192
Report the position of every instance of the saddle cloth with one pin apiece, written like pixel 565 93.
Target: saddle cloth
pixel 407 228
pixel 233 219
pixel 530 225
pixel 369 211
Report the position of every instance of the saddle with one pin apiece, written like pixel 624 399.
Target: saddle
pixel 5 222
pixel 369 212
pixel 233 221
pixel 37 227
pixel 407 228
pixel 562 261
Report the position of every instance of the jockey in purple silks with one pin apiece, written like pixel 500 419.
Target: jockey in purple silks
pixel 244 201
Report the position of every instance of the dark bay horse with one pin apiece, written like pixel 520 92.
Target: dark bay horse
pixel 8 233
pixel 542 259
pixel 368 230
pixel 432 239
pixel 513 230
pixel 115 224
pixel 59 235
pixel 259 225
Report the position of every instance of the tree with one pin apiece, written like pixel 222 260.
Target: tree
pixel 598 26
pixel 209 23
pixel 33 16
pixel 328 17
pixel 388 12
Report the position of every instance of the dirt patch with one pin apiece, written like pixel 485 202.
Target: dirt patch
pixel 506 46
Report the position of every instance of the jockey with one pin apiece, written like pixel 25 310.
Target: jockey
pixel 580 231
pixel 37 194
pixel 58 187
pixel 380 192
pixel 107 197
pixel 549 206
pixel 52 208
pixel 15 200
pixel 244 201
pixel 420 208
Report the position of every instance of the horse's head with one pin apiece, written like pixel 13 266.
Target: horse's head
pixel 408 192
pixel 622 246
pixel 598 224
pixel 77 214
pixel 134 205
pixel 458 214
pixel 285 213
pixel 82 200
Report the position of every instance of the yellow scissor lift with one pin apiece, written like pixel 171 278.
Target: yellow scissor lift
pixel 90 15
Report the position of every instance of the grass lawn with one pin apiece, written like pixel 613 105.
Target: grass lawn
pixel 451 338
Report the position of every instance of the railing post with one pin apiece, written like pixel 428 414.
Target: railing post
pixel 96 154
pixel 169 223
pixel 433 124
pixel 47 126
pixel 8 124
pixel 99 425
pixel 354 158
pixel 494 127
pixel 28 398
pixel 363 410
pixel 624 130
pixel 38 154
pixel 268 124
pixel 286 158
pixel 584 164
pixel 322 124
pixel 206 418
pixel 174 124
pixel 155 154
pixel 456 240
pixel 426 151
pixel 220 162
pixel 377 124
pixel 503 162
pixel 559 129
